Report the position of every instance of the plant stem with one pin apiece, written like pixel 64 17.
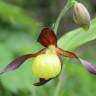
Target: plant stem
pixel 62 78
pixel 62 13
pixel 69 4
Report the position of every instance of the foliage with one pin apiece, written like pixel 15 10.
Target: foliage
pixel 77 37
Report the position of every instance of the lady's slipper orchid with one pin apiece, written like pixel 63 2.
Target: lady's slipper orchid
pixel 47 63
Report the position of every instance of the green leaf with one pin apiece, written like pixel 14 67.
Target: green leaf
pixel 16 40
pixel 18 18
pixel 78 37
pixel 13 44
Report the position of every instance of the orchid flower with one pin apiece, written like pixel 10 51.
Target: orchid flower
pixel 47 63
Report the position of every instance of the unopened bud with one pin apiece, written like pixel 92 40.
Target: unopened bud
pixel 81 15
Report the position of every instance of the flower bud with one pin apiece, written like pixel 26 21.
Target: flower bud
pixel 81 15
pixel 46 66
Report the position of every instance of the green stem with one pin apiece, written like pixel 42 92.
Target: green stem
pixel 62 13
pixel 61 80
pixel 69 4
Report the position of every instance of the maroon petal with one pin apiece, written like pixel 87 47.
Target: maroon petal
pixel 18 62
pixel 62 52
pixel 89 66
pixel 41 82
pixel 47 37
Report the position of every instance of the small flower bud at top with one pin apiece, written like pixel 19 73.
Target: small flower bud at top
pixel 46 66
pixel 81 15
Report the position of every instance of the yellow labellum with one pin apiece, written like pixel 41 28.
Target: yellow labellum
pixel 46 66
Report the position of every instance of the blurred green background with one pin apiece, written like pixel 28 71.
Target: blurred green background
pixel 20 24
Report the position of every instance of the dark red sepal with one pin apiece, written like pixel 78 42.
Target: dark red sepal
pixel 41 82
pixel 47 37
pixel 19 61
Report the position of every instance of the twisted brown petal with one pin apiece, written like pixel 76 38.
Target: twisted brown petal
pixel 41 82
pixel 47 37
pixel 62 52
pixel 89 66
pixel 18 62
